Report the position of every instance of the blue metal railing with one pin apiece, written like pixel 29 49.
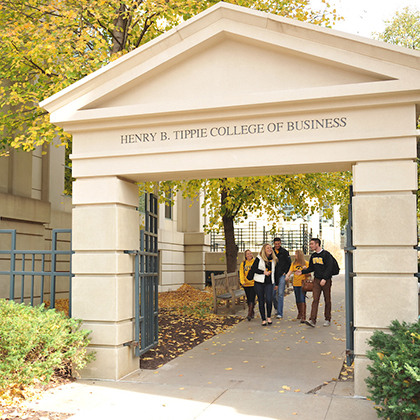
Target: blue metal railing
pixel 349 276
pixel 32 257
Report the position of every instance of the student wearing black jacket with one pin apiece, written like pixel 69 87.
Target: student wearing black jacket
pixel 284 262
pixel 321 263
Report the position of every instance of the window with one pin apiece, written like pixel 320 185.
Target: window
pixel 168 205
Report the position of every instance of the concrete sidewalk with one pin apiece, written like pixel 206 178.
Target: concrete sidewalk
pixel 283 371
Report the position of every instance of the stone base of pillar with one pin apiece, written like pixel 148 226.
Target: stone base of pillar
pixel 360 374
pixel 112 363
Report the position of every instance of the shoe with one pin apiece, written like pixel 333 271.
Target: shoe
pixel 264 324
pixel 310 323
pixel 302 321
pixel 326 323
pixel 269 322
pixel 279 317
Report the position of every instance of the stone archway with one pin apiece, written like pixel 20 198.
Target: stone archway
pixel 234 92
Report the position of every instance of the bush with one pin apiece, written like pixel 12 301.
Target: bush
pixel 394 383
pixel 35 342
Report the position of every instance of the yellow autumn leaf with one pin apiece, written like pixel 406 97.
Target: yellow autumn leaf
pixel 228 368
pixel 287 388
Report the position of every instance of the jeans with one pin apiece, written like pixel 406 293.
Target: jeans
pixel 299 294
pixel 265 296
pixel 278 295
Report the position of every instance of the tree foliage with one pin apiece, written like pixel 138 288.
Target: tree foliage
pixel 46 45
pixel 403 29
pixel 230 200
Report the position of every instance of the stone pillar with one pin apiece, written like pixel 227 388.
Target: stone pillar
pixel 385 232
pixel 196 243
pixel 105 223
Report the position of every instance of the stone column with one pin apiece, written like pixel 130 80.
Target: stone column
pixel 105 223
pixel 385 232
pixel 196 243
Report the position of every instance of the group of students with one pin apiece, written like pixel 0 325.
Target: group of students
pixel 266 275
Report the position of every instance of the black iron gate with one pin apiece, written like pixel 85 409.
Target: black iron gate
pixel 146 275
pixel 349 285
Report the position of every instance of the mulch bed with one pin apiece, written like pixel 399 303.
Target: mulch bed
pixel 178 334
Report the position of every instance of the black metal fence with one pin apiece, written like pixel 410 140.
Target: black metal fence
pixel 252 238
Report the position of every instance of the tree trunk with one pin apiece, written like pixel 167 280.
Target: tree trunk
pixel 119 32
pixel 229 231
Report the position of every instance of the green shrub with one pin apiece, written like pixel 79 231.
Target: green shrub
pixel 394 383
pixel 35 342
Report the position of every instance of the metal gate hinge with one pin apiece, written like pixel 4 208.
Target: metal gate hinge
pixel 131 344
pixel 134 252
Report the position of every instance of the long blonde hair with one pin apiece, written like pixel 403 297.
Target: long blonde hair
pixel 300 258
pixel 264 255
pixel 247 250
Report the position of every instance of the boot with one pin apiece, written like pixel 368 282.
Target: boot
pixel 299 315
pixel 250 311
pixel 302 312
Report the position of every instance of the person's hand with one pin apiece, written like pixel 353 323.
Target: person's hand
pixel 323 282
pixel 276 287
pixel 267 273
pixel 298 272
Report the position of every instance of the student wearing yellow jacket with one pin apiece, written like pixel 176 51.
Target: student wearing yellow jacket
pixel 300 296
pixel 248 285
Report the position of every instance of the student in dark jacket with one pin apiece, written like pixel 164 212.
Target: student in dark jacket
pixel 321 263
pixel 264 272
pixel 284 262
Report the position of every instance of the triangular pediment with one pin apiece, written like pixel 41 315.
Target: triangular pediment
pixel 233 67
pixel 233 56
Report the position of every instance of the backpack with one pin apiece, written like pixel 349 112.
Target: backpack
pixel 336 267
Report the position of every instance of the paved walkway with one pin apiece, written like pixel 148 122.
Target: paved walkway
pixel 284 371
